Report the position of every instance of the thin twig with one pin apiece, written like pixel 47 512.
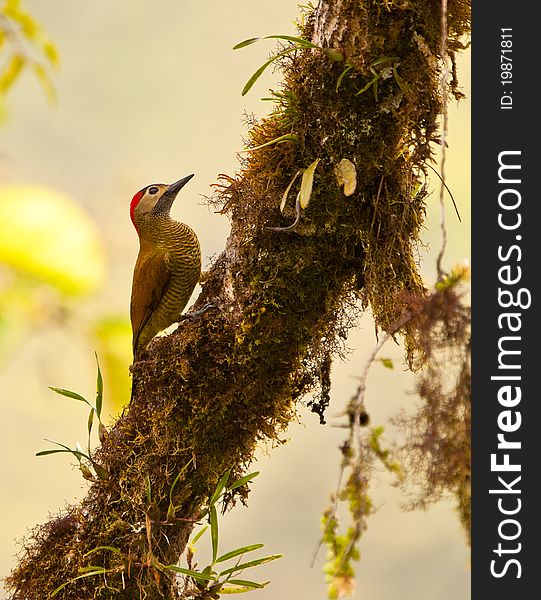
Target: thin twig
pixel 448 191
pixel 444 80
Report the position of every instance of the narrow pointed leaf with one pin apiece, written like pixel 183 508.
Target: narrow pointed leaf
pixel 235 590
pixel 245 43
pixel 98 548
pixel 45 452
pixel 307 183
pixel 367 86
pixel 292 38
pixel 384 59
pixel 99 389
pixel 238 552
pixel 251 563
pixel 262 68
pixel 197 575
pixel 66 583
pixel 219 488
pixel 243 480
pixel 286 193
pixel 287 137
pixel 90 569
pixel 148 488
pixel 214 532
pixel 256 76
pixel 199 534
pixel 70 394
pixel 342 75
pixel 181 472
pixel 248 583
pixel 77 453
pixel 90 421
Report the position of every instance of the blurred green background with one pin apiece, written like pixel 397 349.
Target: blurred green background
pixel 150 92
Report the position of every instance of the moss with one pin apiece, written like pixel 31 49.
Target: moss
pixel 206 395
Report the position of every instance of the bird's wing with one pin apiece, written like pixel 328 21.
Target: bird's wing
pixel 151 278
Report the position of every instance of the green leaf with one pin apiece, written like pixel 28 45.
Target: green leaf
pixel 219 488
pixel 101 571
pixel 45 452
pixel 236 590
pixel 387 363
pixel 251 563
pixel 384 59
pixel 238 552
pixel 99 389
pixel 148 488
pixel 262 68
pixel 199 534
pixel 248 583
pixel 287 137
pixel 245 43
pixel 89 569
pixel 181 472
pixel 290 38
pixel 367 86
pixel 342 75
pixel 197 575
pixel 214 532
pixel 98 548
pixel 70 394
pixel 90 421
pixel 286 193
pixel 307 183
pixel 243 480
pixel 77 453
pixel 255 76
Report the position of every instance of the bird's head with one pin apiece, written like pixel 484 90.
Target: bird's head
pixel 154 200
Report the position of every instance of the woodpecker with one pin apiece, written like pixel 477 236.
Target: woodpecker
pixel 168 266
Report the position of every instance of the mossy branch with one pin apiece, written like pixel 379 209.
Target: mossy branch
pixel 208 393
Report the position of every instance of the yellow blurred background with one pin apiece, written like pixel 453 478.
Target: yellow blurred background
pixel 148 93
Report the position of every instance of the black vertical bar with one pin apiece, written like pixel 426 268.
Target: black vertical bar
pixel 506 236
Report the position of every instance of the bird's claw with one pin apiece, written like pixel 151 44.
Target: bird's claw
pixel 191 316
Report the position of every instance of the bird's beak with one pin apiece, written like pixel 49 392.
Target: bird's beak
pixel 167 199
pixel 175 188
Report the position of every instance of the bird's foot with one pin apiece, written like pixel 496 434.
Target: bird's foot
pixel 191 316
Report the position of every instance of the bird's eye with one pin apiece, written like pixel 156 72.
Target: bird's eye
pixel 153 190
